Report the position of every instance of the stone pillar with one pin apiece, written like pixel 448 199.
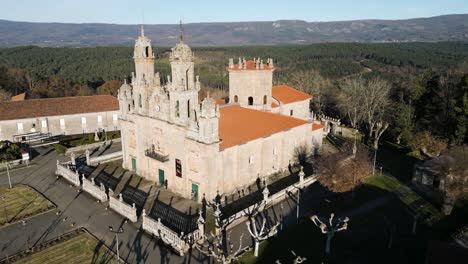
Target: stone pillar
pixel 72 158
pixel 301 177
pixel 120 197
pixel 265 193
pixel 96 137
pixel 217 215
pixel 201 227
pixel 87 157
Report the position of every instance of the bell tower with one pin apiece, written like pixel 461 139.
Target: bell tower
pixel 183 86
pixel 144 58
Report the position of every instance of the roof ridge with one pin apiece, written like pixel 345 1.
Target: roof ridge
pixel 61 98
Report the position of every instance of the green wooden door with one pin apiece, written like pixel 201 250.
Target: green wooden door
pixel 133 165
pixel 195 192
pixel 161 177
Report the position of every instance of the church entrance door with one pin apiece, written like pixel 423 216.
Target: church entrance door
pixel 161 177
pixel 194 192
pixel 133 165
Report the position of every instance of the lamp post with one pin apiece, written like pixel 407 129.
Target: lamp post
pixel 117 232
pixel 8 173
pixel 4 208
pixel 25 232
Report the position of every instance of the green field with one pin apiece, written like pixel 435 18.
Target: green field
pixel 80 249
pixel 19 202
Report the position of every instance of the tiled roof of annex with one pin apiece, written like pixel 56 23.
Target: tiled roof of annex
pixel 286 94
pixel 57 106
pixel 239 125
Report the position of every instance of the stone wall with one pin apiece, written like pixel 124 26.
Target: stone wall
pixel 98 192
pixel 124 209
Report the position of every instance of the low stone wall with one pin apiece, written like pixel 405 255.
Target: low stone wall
pixel 91 146
pixel 67 174
pixel 126 210
pixel 98 192
pixel 104 158
pixel 168 236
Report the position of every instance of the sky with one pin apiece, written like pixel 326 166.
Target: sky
pixel 192 11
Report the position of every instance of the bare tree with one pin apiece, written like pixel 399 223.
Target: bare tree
pixel 427 144
pixel 260 233
pixel 350 103
pixel 343 171
pixel 310 81
pixel 330 228
pixel 375 102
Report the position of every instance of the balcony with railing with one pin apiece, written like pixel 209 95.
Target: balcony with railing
pixel 156 154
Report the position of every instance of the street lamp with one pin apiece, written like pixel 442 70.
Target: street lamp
pixel 25 232
pixel 4 208
pixel 117 232
pixel 8 173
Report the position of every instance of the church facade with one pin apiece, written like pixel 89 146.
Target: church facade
pixel 204 147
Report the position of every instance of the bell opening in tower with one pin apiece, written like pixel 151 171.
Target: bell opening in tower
pixel 147 52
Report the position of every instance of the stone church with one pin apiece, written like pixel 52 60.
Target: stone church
pixel 195 146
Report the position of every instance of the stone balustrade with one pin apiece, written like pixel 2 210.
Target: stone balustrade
pixel 169 237
pixel 98 192
pixel 122 208
pixel 68 174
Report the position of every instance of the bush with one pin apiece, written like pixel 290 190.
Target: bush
pixel 59 148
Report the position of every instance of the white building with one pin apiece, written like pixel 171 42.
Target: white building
pixel 167 135
pixel 59 116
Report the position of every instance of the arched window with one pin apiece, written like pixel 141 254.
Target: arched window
pixel 147 52
pixel 264 99
pixel 188 108
pixel 129 107
pixel 250 100
pixel 177 109
pixel 139 100
pixel 236 99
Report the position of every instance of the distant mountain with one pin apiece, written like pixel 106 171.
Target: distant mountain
pixel 440 28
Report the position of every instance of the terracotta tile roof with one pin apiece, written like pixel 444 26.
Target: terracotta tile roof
pixel 317 127
pixel 274 105
pixel 286 94
pixel 57 106
pixel 19 97
pixel 239 125
pixel 250 66
pixel 218 101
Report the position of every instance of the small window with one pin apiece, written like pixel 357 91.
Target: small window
pixel 20 126
pixel 62 123
pixel 250 100
pixel 114 117
pixel 83 120
pixel 139 101
pixel 99 119
pixel 291 113
pixel 275 151
pixel 178 167
pixel 264 99
pixel 129 107
pixel 44 123
pixel 177 109
pixel 188 108
pixel 251 159
pixel 236 99
pixel 147 52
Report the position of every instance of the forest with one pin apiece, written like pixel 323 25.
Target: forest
pixel 428 82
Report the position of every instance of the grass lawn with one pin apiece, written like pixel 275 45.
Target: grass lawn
pixel 20 202
pixel 80 249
